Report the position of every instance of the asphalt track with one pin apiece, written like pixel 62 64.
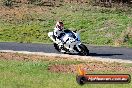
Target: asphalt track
pixel 95 51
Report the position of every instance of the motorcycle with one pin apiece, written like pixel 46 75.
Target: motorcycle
pixel 71 44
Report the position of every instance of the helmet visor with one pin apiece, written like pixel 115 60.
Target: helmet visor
pixel 60 27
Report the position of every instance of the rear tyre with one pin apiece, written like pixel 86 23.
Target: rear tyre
pixel 56 47
pixel 84 50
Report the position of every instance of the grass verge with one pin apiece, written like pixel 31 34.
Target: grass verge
pixel 27 71
pixel 97 25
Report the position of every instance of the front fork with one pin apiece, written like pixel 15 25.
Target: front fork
pixel 77 47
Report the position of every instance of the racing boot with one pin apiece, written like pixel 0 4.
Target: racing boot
pixel 61 47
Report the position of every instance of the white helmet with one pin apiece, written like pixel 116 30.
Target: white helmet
pixel 60 25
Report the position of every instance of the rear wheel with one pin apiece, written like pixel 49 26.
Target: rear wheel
pixel 84 50
pixel 56 47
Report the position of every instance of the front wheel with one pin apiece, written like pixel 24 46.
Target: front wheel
pixel 84 50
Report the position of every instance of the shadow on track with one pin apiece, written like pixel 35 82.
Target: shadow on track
pixel 95 54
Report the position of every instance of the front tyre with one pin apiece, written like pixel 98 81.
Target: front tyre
pixel 84 50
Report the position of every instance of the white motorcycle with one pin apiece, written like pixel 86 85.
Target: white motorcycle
pixel 72 44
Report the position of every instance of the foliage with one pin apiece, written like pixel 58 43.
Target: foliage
pixel 8 3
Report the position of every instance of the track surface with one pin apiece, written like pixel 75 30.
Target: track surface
pixel 96 51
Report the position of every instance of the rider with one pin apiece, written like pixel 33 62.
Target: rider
pixel 56 34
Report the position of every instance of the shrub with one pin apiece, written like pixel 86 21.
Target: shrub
pixel 8 3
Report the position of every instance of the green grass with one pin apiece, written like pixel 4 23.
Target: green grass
pixel 34 74
pixel 98 25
